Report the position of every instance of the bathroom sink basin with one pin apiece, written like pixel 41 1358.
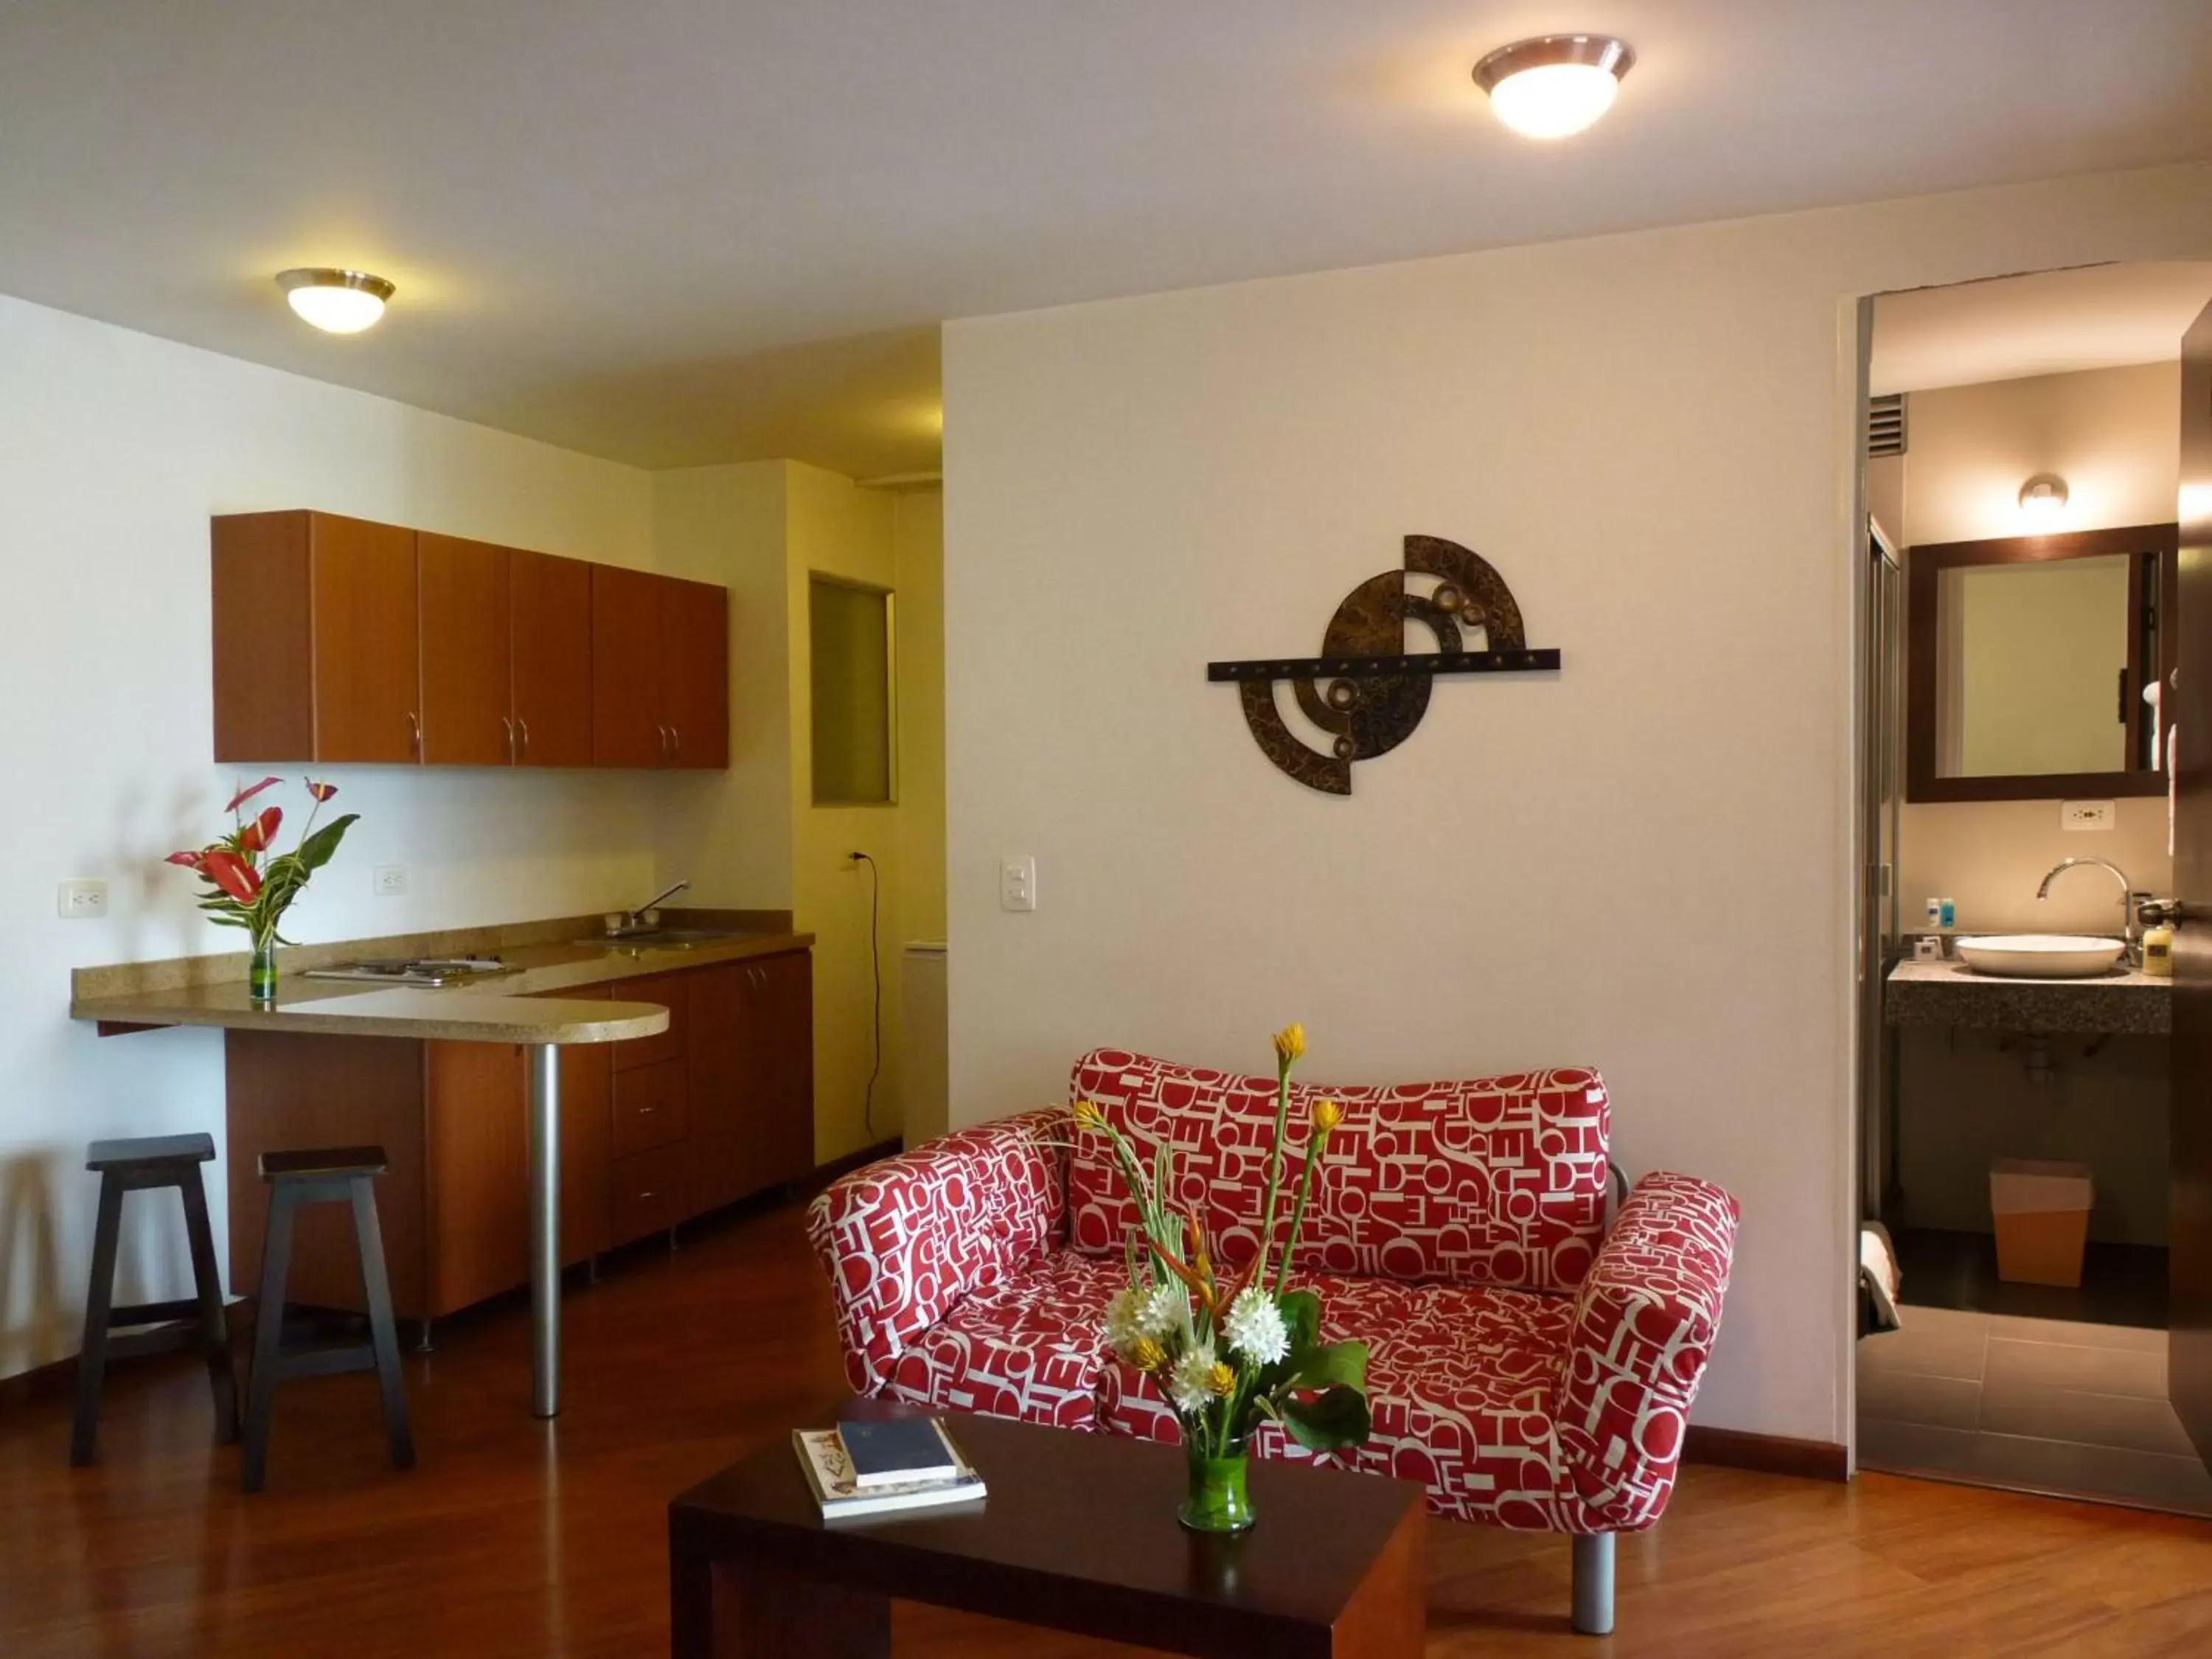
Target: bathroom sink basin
pixel 2041 955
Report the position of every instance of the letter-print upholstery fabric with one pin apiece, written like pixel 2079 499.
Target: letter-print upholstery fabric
pixel 1489 1181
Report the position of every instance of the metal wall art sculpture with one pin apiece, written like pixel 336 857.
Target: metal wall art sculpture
pixel 1365 689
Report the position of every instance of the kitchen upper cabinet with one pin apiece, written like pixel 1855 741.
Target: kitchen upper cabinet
pixel 627 727
pixel 339 639
pixel 467 651
pixel 551 602
pixel 316 645
pixel 695 696
pixel 659 671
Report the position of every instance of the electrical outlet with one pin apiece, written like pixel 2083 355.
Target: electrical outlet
pixel 1017 882
pixel 2085 814
pixel 81 901
pixel 388 880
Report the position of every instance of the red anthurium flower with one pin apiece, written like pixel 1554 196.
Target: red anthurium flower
pixel 190 861
pixel 261 835
pixel 233 874
pixel 321 791
pixel 246 794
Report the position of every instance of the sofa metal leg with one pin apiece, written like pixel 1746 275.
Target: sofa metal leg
pixel 1594 1584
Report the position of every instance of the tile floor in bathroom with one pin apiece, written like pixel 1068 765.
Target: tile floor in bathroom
pixel 2040 1404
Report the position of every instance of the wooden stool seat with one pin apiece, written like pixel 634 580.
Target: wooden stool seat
pixel 152 1152
pixel 326 1175
pixel 146 1164
pixel 321 1163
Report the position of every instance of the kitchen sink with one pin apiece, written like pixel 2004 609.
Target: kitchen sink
pixel 667 938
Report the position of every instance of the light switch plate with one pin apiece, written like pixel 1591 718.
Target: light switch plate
pixel 388 880
pixel 2085 814
pixel 81 901
pixel 1018 882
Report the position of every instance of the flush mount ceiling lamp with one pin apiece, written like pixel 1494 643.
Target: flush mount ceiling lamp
pixel 1555 85
pixel 2043 498
pixel 337 301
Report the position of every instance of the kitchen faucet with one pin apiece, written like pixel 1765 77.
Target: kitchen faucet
pixel 2131 900
pixel 632 922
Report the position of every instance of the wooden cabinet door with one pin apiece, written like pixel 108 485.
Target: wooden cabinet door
pixel 628 728
pixel 783 1131
pixel 479 1185
pixel 587 1154
pixel 467 634
pixel 368 665
pixel 695 632
pixel 550 602
pixel 721 1048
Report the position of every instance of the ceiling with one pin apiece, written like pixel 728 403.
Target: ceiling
pixel 631 229
pixel 2052 322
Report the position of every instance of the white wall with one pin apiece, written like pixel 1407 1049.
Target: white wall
pixel 114 449
pixel 1643 864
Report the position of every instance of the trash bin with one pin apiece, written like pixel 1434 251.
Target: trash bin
pixel 2042 1214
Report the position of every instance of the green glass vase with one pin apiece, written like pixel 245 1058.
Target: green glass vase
pixel 261 978
pixel 1215 1500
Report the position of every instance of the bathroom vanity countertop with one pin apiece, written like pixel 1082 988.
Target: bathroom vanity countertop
pixel 1950 992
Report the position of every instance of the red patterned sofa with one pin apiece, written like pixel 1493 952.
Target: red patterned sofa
pixel 1531 1367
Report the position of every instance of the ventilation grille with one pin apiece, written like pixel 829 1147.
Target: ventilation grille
pixel 1885 425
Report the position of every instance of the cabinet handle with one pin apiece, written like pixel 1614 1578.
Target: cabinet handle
pixel 663 731
pixel 414 734
pixel 507 727
pixel 523 725
pixel 675 740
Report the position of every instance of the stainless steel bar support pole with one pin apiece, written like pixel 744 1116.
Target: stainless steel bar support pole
pixel 544 1229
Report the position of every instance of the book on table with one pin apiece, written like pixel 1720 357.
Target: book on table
pixel 897 1451
pixel 839 1495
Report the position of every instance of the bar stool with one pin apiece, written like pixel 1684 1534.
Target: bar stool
pixel 146 1164
pixel 323 1176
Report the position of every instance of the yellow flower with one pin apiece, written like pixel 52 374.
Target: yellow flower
pixel 1222 1379
pixel 1290 1044
pixel 1146 1354
pixel 1326 1115
pixel 1088 1116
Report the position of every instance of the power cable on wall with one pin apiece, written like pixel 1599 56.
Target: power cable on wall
pixel 876 972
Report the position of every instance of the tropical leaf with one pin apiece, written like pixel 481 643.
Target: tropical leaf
pixel 1334 1364
pixel 317 850
pixel 1330 1421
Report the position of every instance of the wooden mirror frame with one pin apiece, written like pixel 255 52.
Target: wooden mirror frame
pixel 1923 568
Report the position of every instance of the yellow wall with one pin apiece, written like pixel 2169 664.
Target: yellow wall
pixel 834 527
pixel 918 537
pixel 752 837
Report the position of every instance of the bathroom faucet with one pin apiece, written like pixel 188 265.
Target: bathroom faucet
pixel 2128 900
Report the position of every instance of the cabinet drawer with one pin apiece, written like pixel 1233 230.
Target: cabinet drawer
pixel 671 992
pixel 649 1103
pixel 647 1195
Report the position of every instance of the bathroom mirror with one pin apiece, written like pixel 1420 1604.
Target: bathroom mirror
pixel 2026 664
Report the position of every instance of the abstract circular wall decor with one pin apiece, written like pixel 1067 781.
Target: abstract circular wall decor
pixel 1365 691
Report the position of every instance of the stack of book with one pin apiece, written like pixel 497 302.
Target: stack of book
pixel 880 1467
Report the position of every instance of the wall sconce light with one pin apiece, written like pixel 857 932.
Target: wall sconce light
pixel 2043 498
pixel 336 301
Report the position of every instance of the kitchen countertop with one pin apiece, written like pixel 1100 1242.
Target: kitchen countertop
pixel 510 1006
pixel 1950 992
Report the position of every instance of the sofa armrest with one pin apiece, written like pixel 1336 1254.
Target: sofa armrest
pixel 904 1240
pixel 1644 1322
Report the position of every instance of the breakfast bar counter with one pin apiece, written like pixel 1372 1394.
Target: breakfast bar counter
pixel 417 1075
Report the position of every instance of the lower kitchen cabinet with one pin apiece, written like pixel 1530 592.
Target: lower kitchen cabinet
pixel 653 1133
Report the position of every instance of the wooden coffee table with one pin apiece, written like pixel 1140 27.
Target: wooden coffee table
pixel 1078 1534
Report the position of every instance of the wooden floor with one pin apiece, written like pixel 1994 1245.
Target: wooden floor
pixel 519 1538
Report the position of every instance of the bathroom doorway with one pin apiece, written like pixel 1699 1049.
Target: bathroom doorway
pixel 2018 613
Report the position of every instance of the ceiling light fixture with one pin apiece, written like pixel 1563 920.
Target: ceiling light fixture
pixel 2043 497
pixel 337 301
pixel 1554 85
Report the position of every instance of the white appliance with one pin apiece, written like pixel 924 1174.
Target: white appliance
pixel 924 1072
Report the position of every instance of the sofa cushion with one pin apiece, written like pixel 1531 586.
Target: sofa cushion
pixel 1492 1181
pixel 1031 1345
pixel 1461 1382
